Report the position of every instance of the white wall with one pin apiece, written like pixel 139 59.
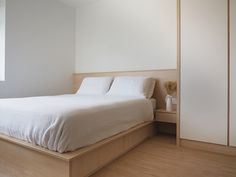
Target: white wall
pixel 2 40
pixel 124 35
pixel 39 48
pixel 233 74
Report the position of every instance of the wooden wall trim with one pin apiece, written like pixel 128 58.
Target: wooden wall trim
pixel 229 77
pixel 127 71
pixel 179 71
pixel 209 147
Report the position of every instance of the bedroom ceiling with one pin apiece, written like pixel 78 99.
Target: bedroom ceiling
pixel 76 3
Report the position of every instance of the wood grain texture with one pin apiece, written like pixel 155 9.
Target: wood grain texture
pixel 86 164
pixel 21 159
pixel 222 149
pixel 229 72
pixel 166 128
pixel 178 71
pixel 163 116
pixel 161 77
pixel 159 157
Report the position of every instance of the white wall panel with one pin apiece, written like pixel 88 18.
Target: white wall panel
pixel 2 40
pixel 204 71
pixel 39 48
pixel 233 74
pixel 125 35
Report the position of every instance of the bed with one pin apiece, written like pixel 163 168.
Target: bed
pixel 57 152
pixel 65 123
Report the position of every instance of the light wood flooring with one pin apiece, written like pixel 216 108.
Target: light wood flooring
pixel 159 157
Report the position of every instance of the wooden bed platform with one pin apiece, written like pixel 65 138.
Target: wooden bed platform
pixel 21 159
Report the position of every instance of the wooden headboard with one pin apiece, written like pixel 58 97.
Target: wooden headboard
pixel 161 77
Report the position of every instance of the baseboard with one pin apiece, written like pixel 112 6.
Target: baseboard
pixel 216 148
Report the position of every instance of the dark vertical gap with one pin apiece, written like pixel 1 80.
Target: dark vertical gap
pixel 229 90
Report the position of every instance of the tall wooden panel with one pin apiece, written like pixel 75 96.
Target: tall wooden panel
pixel 203 114
pixel 233 72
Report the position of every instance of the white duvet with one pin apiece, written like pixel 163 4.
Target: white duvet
pixel 68 122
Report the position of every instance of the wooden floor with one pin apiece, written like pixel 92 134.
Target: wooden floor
pixel 159 157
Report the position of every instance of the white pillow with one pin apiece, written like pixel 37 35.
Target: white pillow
pixel 95 86
pixel 132 86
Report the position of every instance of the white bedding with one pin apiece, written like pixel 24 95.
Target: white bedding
pixel 67 122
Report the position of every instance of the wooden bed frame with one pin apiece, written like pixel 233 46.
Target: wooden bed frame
pixel 22 159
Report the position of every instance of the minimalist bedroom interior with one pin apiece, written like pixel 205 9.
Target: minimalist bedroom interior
pixel 117 88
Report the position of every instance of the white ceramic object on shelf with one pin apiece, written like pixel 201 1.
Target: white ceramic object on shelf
pixel 168 103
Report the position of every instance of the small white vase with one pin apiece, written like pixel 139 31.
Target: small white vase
pixel 168 103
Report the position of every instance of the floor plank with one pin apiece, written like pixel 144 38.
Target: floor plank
pixel 159 157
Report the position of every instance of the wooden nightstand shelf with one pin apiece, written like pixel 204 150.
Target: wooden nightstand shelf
pixel 164 116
